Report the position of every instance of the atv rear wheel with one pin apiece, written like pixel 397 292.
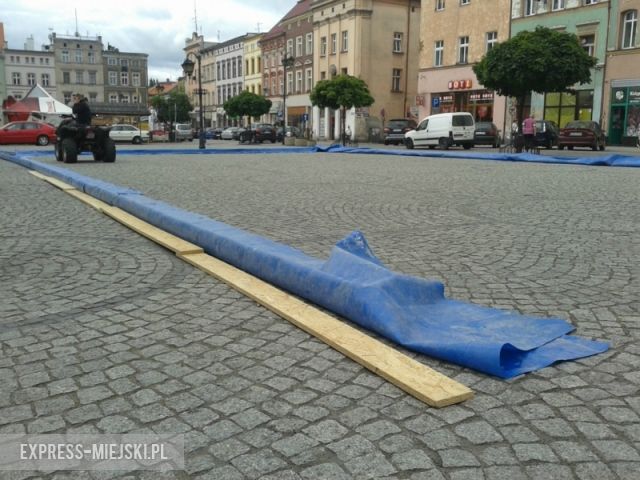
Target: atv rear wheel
pixel 109 153
pixel 69 151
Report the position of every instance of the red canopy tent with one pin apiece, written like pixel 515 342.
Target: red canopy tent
pixel 38 103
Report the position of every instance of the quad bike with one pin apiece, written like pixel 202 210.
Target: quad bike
pixel 73 138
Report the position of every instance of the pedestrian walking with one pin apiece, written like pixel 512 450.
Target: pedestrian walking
pixel 529 132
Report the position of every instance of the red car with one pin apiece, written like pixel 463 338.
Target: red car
pixel 37 133
pixel 581 133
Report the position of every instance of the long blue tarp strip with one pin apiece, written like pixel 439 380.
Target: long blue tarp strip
pixel 611 160
pixel 353 283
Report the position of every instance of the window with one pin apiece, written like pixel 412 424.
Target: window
pixel 334 43
pixel 299 81
pixel 113 78
pixel 463 50
pixel 135 79
pixel 112 61
pixel 15 78
pixel 492 39
pixel 397 42
pixel 66 77
pixel 113 98
pixel 124 78
pixel 530 7
pixel 439 53
pixel 395 79
pixel 91 57
pixel 124 62
pixel 557 5
pixel 590 2
pixel 92 78
pixel 465 2
pixel 31 79
pixel 629 28
pixel 65 56
pixel 124 98
pixel 309 80
pixel 299 46
pixel 80 77
pixel 588 43
pixel 439 5
pixel 290 82
pixel 309 49
pixel 323 46
pixel 290 47
pixel 78 56
pixel 44 78
pixel 345 41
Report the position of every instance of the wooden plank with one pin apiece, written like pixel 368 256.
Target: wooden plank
pixel 53 181
pixel 167 240
pixel 89 200
pixel 410 375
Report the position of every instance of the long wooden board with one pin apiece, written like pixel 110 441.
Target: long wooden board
pixel 167 240
pixel 411 376
pixel 53 181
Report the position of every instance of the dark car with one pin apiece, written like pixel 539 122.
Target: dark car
pixel 581 133
pixel 37 133
pixel 396 128
pixel 264 131
pixel 213 133
pixel 291 132
pixel 547 133
pixel 486 133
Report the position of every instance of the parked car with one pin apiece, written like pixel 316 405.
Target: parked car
pixel 128 133
pixel 31 132
pixel 183 131
pixel 443 130
pixel 546 133
pixel 264 131
pixel 581 133
pixel 229 133
pixel 486 133
pixel 213 133
pixel 291 132
pixel 396 128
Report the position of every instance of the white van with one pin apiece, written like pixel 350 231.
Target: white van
pixel 444 130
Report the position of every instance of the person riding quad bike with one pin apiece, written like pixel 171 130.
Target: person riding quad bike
pixel 75 135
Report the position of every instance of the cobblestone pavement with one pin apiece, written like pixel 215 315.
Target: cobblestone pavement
pixel 103 331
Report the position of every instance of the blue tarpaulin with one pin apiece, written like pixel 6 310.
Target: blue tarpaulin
pixel 353 283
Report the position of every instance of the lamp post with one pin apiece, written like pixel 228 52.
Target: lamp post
pixel 287 62
pixel 187 67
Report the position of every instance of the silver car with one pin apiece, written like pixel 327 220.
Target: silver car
pixel 183 132
pixel 128 133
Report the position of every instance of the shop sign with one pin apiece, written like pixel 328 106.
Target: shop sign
pixel 460 84
pixel 634 95
pixel 446 98
pixel 481 96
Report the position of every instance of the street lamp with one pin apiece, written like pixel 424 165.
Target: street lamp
pixel 287 62
pixel 187 68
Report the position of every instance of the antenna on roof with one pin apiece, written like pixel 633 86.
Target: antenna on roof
pixel 258 26
pixel 195 16
pixel 77 33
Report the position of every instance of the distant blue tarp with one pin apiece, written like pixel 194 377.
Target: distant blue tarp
pixel 613 160
pixel 354 284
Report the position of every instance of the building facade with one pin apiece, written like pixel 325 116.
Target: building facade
pixel 588 19
pixel 377 41
pixel 454 36
pixel 23 69
pixel 272 47
pixel 621 94
pixel 253 65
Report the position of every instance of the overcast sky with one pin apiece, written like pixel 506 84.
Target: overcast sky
pixel 156 27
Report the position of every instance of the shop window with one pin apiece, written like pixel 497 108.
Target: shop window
pixel 629 28
pixel 563 108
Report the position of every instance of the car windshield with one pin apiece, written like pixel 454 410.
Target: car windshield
pixel 397 123
pixel 484 126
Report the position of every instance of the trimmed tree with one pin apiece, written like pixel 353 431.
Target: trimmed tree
pixel 341 93
pixel 247 104
pixel 542 61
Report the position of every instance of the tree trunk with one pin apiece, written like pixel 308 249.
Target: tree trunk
pixel 343 111
pixel 519 142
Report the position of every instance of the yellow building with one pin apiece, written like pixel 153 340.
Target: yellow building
pixel 376 41
pixel 454 35
pixel 253 65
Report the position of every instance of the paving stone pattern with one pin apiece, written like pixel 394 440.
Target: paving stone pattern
pixel 103 331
